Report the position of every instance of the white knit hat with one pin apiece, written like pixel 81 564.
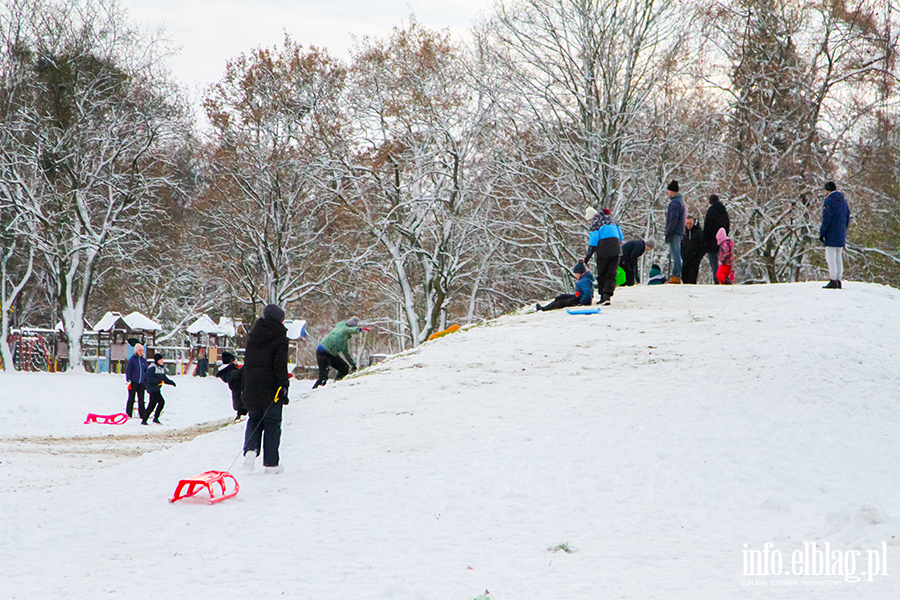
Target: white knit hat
pixel 589 213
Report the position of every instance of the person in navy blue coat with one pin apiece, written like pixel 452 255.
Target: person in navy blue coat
pixel 833 233
pixel 156 377
pixel 136 376
pixel 675 215
pixel 584 291
pixel 631 253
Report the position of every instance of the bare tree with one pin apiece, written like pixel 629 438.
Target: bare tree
pixel 266 210
pixel 87 146
pixel 407 173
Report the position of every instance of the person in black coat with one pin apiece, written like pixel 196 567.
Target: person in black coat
pixel 232 374
pixel 693 247
pixel 265 389
pixel 631 253
pixel 156 377
pixel 716 218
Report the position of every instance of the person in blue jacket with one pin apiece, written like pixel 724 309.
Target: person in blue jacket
pixel 136 376
pixel 675 217
pixel 605 240
pixel 584 291
pixel 833 233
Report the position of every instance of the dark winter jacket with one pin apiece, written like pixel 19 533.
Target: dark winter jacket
pixel 675 215
pixel 136 369
pixel 835 220
pixel 605 238
pixel 337 341
pixel 656 277
pixel 234 377
pixel 632 251
pixel 265 365
pixel 716 219
pixel 584 288
pixel 693 245
pixel 156 377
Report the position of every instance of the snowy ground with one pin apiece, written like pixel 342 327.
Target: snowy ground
pixel 656 439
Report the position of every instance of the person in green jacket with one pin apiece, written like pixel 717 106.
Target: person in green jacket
pixel 332 346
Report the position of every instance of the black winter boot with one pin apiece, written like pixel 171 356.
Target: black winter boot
pixel 832 285
pixel 839 285
pixel 537 308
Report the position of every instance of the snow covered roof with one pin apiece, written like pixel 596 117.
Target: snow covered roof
pixel 206 325
pixel 227 327
pixel 203 325
pixel 131 321
pixel 296 329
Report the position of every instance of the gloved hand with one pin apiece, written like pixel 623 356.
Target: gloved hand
pixel 173 384
pixel 129 385
pixel 822 239
pixel 352 368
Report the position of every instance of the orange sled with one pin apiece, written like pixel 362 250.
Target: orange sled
pixel 205 480
pixel 116 419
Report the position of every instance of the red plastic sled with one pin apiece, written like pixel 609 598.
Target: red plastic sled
pixel 116 419
pixel 205 480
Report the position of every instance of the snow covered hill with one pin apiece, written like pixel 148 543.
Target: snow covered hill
pixel 663 442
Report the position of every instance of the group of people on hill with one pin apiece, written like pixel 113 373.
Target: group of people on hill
pixel 688 242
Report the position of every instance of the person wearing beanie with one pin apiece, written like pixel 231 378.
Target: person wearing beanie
pixel 230 372
pixel 655 276
pixel 265 389
pixel 725 274
pixel 156 377
pixel 833 233
pixel 631 253
pixel 605 240
pixel 675 215
pixel 584 290
pixel 716 219
pixel 693 247
pixel 332 346
pixel 273 313
pixel 589 213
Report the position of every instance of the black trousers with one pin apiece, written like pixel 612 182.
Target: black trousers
pixel 630 267
pixel 562 301
pixel 264 432
pixel 157 402
pixel 136 389
pixel 691 268
pixel 325 360
pixel 606 275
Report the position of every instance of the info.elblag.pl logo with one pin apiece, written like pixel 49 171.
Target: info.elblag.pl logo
pixel 816 564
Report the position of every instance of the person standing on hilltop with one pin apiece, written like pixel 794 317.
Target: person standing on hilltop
pixel 604 240
pixel 675 215
pixel 716 219
pixel 833 233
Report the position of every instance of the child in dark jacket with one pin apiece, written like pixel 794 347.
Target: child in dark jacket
pixel 584 290
pixel 230 372
pixel 156 377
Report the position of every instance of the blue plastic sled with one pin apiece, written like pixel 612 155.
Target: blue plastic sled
pixel 583 311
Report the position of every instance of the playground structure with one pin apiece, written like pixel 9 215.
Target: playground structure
pixel 35 349
pixel 115 336
pixel 208 340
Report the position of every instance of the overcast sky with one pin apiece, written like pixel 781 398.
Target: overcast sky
pixel 209 32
